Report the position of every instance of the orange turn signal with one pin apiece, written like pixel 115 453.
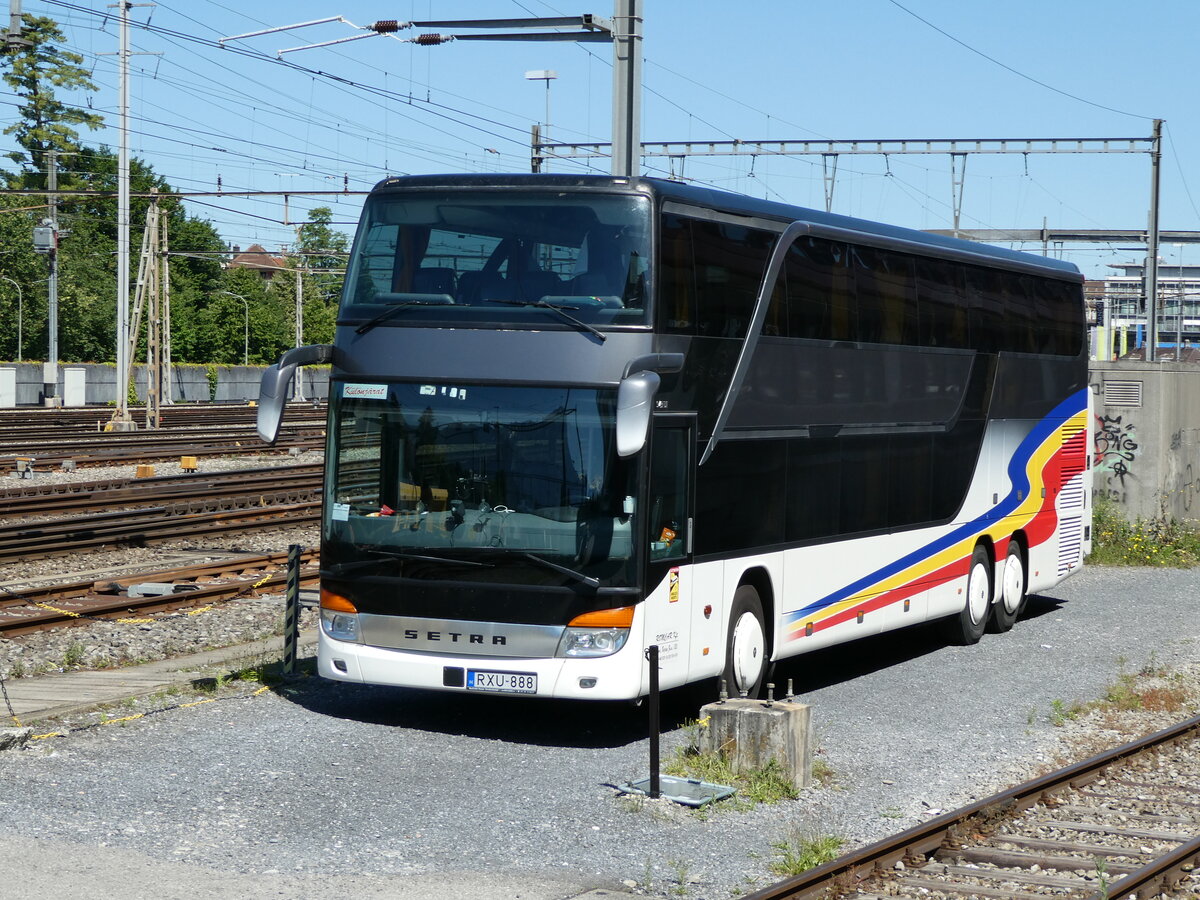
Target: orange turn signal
pixel 336 602
pixel 604 618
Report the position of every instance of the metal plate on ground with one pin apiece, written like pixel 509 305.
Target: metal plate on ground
pixel 688 791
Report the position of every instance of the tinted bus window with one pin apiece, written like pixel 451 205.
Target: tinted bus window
pixel 943 308
pixel 819 296
pixel 985 309
pixel 730 261
pixel 887 303
pixel 676 277
pixel 1021 325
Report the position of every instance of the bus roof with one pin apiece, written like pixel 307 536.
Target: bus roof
pixel 724 201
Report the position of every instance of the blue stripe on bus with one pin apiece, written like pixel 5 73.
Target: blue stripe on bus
pixel 1017 474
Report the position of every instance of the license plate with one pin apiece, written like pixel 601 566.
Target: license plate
pixel 505 682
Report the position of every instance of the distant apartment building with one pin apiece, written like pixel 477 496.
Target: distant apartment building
pixel 1117 312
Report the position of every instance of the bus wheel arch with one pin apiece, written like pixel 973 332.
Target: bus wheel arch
pixel 968 624
pixel 748 640
pixel 1012 590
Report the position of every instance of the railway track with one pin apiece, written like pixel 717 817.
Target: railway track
pixel 55 520
pixel 158 524
pixel 1125 823
pixel 30 499
pixel 52 438
pixel 25 609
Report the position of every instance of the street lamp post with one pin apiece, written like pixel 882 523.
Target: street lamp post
pixel 20 315
pixel 246 336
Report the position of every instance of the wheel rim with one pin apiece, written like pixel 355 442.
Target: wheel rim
pixel 749 643
pixel 1014 582
pixel 977 593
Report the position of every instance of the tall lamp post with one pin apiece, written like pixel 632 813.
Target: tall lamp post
pixel 246 338
pixel 20 316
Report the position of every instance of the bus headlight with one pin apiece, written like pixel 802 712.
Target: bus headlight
pixel 590 642
pixel 339 617
pixel 599 633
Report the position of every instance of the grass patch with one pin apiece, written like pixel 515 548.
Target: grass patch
pixel 1062 712
pixel 800 852
pixel 766 784
pixel 1162 542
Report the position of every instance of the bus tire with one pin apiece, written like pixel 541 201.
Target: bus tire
pixel 746 651
pixel 968 625
pixel 1011 602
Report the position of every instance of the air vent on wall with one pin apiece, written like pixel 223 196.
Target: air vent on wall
pixel 1122 393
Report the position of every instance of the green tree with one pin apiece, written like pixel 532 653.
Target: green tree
pixel 323 249
pixel 34 71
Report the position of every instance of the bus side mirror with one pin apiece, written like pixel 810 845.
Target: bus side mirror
pixel 635 402
pixel 277 379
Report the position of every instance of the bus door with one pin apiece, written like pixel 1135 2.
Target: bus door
pixel 670 517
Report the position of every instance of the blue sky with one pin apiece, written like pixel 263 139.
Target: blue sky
pixel 862 69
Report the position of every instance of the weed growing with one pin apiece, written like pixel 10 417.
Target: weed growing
pixel 1162 542
pixel 800 852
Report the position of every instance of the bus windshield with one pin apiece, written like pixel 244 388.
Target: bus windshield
pixel 464 257
pixel 479 483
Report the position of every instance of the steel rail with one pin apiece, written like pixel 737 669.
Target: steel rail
pixel 154 526
pixel 144 453
pixel 18 593
pixel 82 609
pixel 151 492
pixel 847 872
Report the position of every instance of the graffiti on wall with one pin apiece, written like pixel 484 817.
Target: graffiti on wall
pixel 1115 447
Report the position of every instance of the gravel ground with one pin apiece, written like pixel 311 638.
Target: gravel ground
pixel 103 644
pixel 316 789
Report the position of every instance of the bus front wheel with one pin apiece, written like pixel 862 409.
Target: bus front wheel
pixel 746 649
pixel 968 626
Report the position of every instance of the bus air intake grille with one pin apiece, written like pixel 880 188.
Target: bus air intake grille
pixel 1070 544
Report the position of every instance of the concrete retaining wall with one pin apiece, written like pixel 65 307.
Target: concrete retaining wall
pixel 1146 437
pixel 189 384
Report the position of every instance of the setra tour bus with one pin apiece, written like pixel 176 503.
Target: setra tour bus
pixel 574 416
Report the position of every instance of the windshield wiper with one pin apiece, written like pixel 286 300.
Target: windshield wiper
pixel 385 315
pixel 588 580
pixel 561 311
pixel 342 568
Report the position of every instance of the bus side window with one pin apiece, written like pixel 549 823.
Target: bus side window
pixel 676 277
pixel 943 311
pixel 820 300
pixel 668 494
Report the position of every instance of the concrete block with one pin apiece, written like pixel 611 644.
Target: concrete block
pixel 753 732
pixel 14 738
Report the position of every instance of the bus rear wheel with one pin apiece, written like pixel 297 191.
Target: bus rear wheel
pixel 1012 590
pixel 746 645
pixel 968 626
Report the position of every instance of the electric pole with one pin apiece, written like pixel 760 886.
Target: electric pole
pixel 50 371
